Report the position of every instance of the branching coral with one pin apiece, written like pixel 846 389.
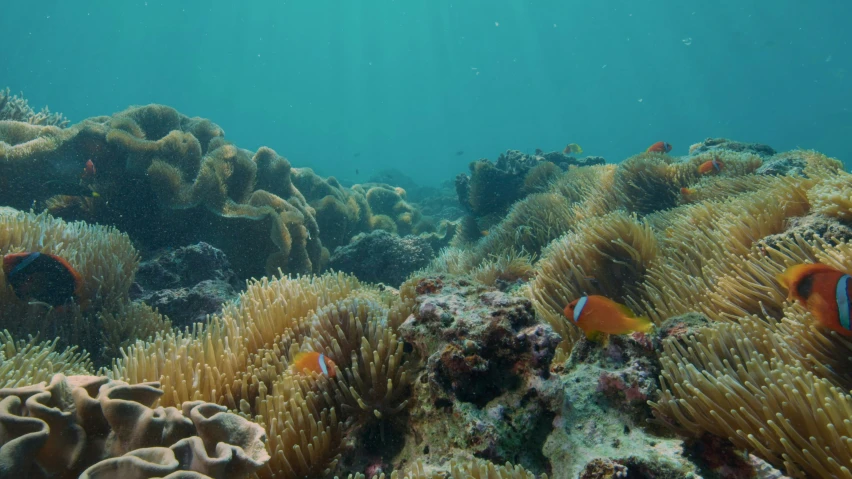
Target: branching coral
pixel 14 107
pixel 721 381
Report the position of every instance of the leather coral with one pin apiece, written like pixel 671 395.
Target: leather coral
pixel 94 427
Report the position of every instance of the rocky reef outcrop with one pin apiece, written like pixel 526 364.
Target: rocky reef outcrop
pixel 492 187
pixel 382 257
pixel 186 283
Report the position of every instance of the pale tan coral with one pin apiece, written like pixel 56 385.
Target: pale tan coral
pixel 212 363
pixel 31 362
pixel 17 108
pixel 510 268
pixel 721 382
pixel 304 434
pixel 105 260
pixel 607 255
pixel 833 197
pixel 373 377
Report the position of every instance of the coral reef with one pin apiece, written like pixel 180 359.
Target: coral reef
pixel 166 179
pixel 16 108
pixel 89 426
pixel 488 369
pixel 715 144
pixel 106 262
pixel 381 257
pixel 186 283
pixel 471 360
pixel 240 358
pixel 604 411
pixel 491 188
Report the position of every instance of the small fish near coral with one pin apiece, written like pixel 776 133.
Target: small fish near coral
pixel 573 148
pixel 596 314
pixel 314 362
pixel 660 147
pixel 42 278
pixel 711 166
pixel 825 291
pixel 687 192
pixel 89 170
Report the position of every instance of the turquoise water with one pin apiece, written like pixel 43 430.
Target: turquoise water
pixel 346 85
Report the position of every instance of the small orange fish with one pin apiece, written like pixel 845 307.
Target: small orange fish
pixel 314 362
pixel 714 165
pixel 687 191
pixel 89 171
pixel 824 290
pixel 660 147
pixel 596 314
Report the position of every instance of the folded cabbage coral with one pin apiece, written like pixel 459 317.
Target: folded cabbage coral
pixel 57 430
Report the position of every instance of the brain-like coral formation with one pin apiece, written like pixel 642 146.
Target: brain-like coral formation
pixel 92 427
pixel 166 178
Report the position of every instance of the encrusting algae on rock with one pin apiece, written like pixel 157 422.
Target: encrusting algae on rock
pixel 479 359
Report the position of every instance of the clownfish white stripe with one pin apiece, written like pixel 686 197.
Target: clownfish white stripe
pixel 842 297
pixel 322 365
pixel 578 310
pixel 23 264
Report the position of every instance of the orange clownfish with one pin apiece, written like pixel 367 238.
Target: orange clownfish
pixel 824 290
pixel 314 362
pixel 660 147
pixel 714 165
pixel 42 278
pixel 687 191
pixel 596 314
pixel 89 171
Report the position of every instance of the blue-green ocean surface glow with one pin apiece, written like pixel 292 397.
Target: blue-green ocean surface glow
pixel 340 85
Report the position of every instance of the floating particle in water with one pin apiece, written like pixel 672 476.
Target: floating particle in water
pixel 687 41
pixel 828 59
pixel 496 24
pixel 639 100
pixel 554 25
pixel 604 66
